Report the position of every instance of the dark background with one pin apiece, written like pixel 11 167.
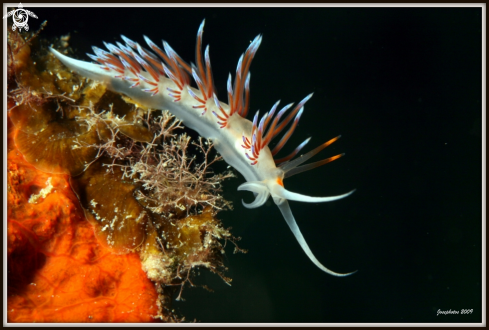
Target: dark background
pixel 403 87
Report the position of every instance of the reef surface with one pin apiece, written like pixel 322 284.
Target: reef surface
pixel 111 206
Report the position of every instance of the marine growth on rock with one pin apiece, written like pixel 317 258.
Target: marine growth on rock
pixel 111 206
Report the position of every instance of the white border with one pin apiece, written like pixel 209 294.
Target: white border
pixel 139 5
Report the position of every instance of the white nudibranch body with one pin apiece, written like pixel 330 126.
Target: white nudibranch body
pixel 160 79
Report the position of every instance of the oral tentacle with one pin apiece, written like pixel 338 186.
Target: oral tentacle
pixel 278 191
pixel 284 207
pixel 259 189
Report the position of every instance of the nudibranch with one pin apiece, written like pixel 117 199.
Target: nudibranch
pixel 159 79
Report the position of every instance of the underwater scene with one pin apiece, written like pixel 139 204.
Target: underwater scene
pixel 117 212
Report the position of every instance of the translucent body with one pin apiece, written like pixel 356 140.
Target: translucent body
pixel 234 137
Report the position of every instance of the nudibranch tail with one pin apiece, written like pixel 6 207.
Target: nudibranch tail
pixel 89 70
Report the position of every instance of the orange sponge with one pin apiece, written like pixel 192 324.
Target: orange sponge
pixel 57 270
